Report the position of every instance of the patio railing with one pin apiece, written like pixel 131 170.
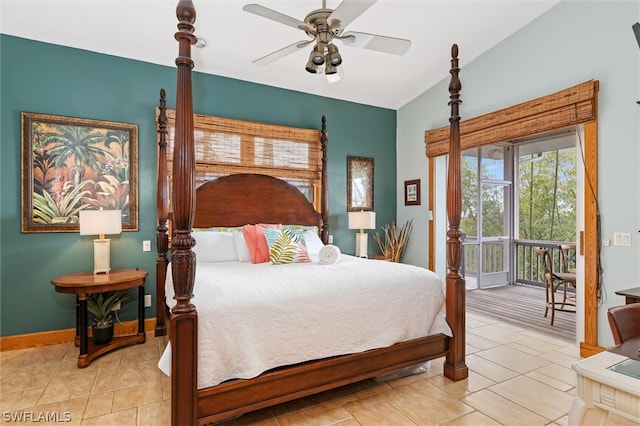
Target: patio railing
pixel 528 266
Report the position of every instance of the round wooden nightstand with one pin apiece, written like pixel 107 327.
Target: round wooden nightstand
pixel 83 283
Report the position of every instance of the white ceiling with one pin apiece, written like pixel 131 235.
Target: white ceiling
pixel 144 29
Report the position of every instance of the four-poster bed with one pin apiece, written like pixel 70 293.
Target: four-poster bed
pixel 226 202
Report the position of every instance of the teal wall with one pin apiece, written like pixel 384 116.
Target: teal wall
pixel 49 79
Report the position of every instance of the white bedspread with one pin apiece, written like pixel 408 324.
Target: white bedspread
pixel 254 317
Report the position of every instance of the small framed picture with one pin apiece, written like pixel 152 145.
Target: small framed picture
pixel 412 192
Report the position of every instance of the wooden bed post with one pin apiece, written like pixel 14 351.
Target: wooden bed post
pixel 455 367
pixel 324 202
pixel 183 328
pixel 162 238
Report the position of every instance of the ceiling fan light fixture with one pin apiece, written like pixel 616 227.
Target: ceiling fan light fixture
pixel 328 67
pixel 334 78
pixel 323 27
pixel 334 55
pixel 310 67
pixel 317 55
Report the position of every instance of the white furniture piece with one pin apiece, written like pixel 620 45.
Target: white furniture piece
pixel 601 390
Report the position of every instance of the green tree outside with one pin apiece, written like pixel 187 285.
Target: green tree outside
pixel 546 197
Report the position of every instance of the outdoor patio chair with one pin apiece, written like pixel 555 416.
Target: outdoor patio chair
pixel 568 258
pixel 553 281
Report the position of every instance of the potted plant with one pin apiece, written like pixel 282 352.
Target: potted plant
pixel 101 307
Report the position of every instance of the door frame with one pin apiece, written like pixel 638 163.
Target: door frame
pixel 577 105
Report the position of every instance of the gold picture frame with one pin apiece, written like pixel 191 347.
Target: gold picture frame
pixel 359 184
pixel 70 164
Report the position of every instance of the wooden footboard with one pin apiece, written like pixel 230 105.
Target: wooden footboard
pixel 237 397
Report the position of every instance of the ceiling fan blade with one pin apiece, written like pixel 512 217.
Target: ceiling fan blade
pixel 281 53
pixel 380 43
pixel 265 12
pixel 349 10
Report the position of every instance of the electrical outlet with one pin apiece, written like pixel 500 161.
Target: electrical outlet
pixel 147 300
pixel 330 239
pixel 605 243
pixel 146 245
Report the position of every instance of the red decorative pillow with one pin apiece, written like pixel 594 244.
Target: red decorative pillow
pixel 257 242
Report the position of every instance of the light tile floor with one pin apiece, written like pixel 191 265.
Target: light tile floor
pixel 516 377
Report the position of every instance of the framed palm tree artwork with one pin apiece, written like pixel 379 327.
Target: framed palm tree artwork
pixel 71 164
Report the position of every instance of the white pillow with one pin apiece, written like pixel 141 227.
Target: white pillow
pixel 242 249
pixel 214 247
pixel 313 241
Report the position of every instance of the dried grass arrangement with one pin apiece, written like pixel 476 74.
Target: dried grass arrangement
pixel 394 241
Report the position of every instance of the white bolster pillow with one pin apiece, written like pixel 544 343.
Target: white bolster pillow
pixel 329 254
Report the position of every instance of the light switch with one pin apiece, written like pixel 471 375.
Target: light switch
pixel 146 245
pixel 621 239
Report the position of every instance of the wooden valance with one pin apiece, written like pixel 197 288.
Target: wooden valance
pixel 566 108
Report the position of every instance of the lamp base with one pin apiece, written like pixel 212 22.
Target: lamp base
pixel 361 245
pixel 101 256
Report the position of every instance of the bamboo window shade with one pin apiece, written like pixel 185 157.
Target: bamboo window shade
pixel 226 146
pixel 563 109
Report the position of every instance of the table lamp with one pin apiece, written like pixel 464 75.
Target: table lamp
pixel 101 222
pixel 362 220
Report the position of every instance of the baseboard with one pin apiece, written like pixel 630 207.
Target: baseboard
pixel 56 337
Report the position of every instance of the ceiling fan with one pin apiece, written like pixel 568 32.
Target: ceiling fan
pixel 324 26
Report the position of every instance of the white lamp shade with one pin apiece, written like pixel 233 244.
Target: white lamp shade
pixel 100 222
pixel 362 220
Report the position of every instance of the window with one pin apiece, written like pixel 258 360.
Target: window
pixel 225 146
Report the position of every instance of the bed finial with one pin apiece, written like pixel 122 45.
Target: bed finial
pixel 186 14
pixel 454 85
pixel 324 202
pixel 455 367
